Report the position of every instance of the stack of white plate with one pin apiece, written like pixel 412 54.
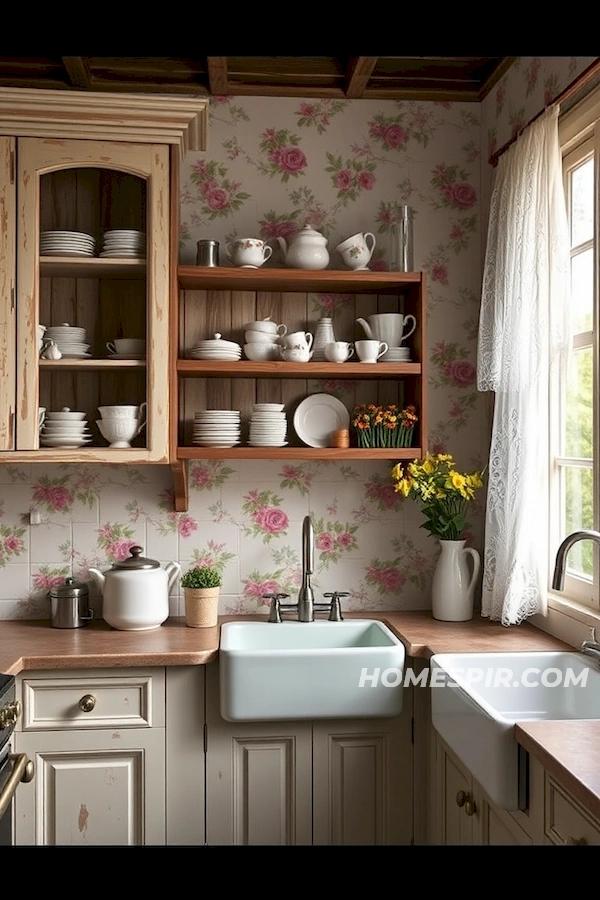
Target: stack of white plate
pixel 67 243
pixel 69 339
pixel 65 428
pixel 268 425
pixel 217 428
pixel 216 349
pixel 396 354
pixel 124 242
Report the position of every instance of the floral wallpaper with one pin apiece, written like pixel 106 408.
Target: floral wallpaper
pixel 272 166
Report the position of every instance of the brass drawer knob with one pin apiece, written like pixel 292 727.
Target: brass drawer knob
pixel 461 798
pixel 87 703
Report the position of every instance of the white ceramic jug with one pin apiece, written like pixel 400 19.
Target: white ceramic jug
pixel 393 328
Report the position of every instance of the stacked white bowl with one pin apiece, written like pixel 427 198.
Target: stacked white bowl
pixel 69 339
pixel 120 424
pixel 268 425
pixel 64 428
pixel 262 340
pixel 217 428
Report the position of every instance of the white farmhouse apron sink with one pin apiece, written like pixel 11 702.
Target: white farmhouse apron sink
pixel 309 670
pixel 480 696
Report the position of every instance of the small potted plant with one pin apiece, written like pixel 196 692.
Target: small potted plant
pixel 201 586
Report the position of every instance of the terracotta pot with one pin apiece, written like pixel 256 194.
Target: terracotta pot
pixel 201 607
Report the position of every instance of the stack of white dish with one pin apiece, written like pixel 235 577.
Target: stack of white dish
pixel 268 425
pixel 67 243
pixel 396 354
pixel 216 349
pixel 124 242
pixel 69 339
pixel 65 428
pixel 217 428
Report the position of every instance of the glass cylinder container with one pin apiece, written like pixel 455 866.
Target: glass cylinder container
pixel 323 335
pixel 401 241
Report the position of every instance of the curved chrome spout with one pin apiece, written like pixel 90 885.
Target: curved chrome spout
pixel 558 579
pixel 306 596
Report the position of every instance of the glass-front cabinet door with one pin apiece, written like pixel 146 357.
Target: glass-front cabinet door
pixel 92 289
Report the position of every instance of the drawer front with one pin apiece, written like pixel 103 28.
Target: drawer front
pixel 92 699
pixel 565 822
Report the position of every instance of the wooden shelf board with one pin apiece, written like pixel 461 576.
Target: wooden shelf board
pixel 92 364
pixel 323 453
pixel 91 267
pixel 286 280
pixel 245 368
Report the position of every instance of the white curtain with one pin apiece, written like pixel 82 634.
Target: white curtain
pixel 524 331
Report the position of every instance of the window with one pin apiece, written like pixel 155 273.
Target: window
pixel 574 488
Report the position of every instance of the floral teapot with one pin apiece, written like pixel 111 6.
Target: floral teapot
pixel 307 249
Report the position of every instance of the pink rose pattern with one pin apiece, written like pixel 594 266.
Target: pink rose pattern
pixel 213 193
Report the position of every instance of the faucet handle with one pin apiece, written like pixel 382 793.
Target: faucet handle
pixel 275 610
pixel 335 612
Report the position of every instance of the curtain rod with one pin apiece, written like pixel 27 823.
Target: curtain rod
pixel 568 92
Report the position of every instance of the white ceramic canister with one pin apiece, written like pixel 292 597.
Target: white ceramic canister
pixel 323 335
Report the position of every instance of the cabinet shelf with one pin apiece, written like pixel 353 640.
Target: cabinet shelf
pixel 219 278
pixel 325 453
pixel 92 364
pixel 247 369
pixel 91 267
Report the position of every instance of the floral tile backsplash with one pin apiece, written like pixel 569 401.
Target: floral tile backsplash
pixel 271 166
pixel 245 518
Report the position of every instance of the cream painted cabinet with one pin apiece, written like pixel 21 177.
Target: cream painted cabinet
pixel 97 739
pixel 8 344
pixel 565 820
pixel 467 816
pixel 323 782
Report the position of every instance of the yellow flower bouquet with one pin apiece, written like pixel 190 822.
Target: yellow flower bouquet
pixel 384 426
pixel 443 492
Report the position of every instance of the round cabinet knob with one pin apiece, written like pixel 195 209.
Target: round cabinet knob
pixel 87 703
pixel 470 807
pixel 461 798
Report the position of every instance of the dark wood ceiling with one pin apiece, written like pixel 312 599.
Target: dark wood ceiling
pixel 443 78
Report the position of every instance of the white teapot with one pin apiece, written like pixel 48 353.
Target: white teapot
pixel 307 249
pixel 135 592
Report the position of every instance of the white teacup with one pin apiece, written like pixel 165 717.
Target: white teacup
pixel 123 411
pixel 127 345
pixel 356 251
pixel 338 351
pixel 248 252
pixel 260 352
pixel 260 337
pixel 370 351
pixel 302 339
pixel 266 326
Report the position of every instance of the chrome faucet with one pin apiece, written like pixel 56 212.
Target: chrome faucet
pixel 592 647
pixel 306 597
pixel 558 579
pixel 306 606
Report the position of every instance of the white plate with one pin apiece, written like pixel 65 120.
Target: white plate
pixel 71 234
pixel 67 253
pixel 66 443
pixel 70 355
pixel 316 418
pixel 121 254
pixel 266 444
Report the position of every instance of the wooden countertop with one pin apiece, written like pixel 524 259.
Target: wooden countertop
pixel 569 751
pixel 27 644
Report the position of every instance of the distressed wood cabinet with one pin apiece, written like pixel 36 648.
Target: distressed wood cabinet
pixel 91 164
pixel 97 740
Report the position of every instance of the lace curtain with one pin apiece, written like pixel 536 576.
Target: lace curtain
pixel 524 331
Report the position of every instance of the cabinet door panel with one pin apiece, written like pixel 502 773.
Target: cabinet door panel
pixel 92 789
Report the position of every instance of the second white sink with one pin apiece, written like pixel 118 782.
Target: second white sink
pixel 481 695
pixel 309 670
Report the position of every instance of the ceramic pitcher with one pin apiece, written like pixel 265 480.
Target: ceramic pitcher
pixel 453 588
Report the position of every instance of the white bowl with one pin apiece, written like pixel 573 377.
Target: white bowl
pixel 262 352
pixel 265 325
pixel 260 337
pixel 126 411
pixel 65 416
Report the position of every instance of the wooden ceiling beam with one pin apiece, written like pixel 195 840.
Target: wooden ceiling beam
pixel 360 69
pixel 78 71
pixel 218 78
